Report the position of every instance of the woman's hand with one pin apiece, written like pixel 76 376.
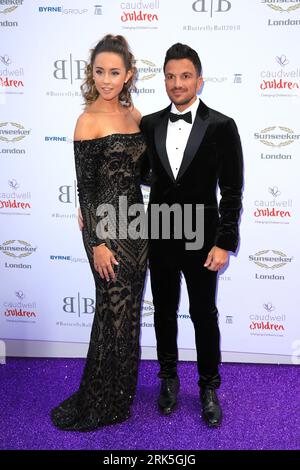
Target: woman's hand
pixel 104 261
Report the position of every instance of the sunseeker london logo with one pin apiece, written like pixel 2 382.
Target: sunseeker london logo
pixel 287 6
pixel 278 140
pixel 17 248
pixel 147 308
pixel 270 260
pixel 147 314
pixel 12 131
pixel 6 8
pixel 147 70
pixel 11 135
pixel 284 13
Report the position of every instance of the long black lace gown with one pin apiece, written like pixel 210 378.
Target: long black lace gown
pixel 108 168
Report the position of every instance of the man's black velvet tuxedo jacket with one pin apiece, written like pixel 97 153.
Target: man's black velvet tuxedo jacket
pixel 213 156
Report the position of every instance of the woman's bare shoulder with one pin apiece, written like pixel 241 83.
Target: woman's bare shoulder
pixel 85 126
pixel 136 115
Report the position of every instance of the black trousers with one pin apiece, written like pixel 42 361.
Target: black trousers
pixel 166 268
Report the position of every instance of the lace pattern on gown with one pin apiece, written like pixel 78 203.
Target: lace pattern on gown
pixel 106 169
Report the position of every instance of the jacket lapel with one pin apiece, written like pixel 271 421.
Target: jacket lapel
pixel 160 137
pixel 195 139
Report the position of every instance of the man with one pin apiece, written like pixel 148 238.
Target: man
pixel 191 150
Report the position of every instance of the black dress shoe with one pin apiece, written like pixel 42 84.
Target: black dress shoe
pixel 167 400
pixel 211 409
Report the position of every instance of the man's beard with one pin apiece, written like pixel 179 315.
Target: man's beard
pixel 182 102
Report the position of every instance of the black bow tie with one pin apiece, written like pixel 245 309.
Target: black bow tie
pixel 187 117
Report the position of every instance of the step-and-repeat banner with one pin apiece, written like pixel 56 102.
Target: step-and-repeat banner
pixel 250 55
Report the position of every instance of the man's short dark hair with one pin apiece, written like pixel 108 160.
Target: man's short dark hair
pixel 182 51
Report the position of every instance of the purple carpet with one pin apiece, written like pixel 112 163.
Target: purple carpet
pixel 260 403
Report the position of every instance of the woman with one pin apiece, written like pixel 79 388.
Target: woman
pixel 107 147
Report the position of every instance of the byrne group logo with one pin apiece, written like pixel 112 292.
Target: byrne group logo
pixel 12 132
pixel 15 199
pixel 20 310
pixel 61 10
pixel 17 248
pixel 58 139
pixel 215 80
pixel 268 323
pixel 69 258
pixel 139 15
pixel 273 211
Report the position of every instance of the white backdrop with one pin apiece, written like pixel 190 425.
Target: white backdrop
pixel 249 51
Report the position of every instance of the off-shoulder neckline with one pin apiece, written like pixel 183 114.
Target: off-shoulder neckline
pixel 106 136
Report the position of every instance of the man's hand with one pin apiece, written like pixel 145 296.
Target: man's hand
pixel 80 219
pixel 104 261
pixel 216 259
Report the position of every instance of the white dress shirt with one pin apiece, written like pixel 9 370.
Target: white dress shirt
pixel 177 136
